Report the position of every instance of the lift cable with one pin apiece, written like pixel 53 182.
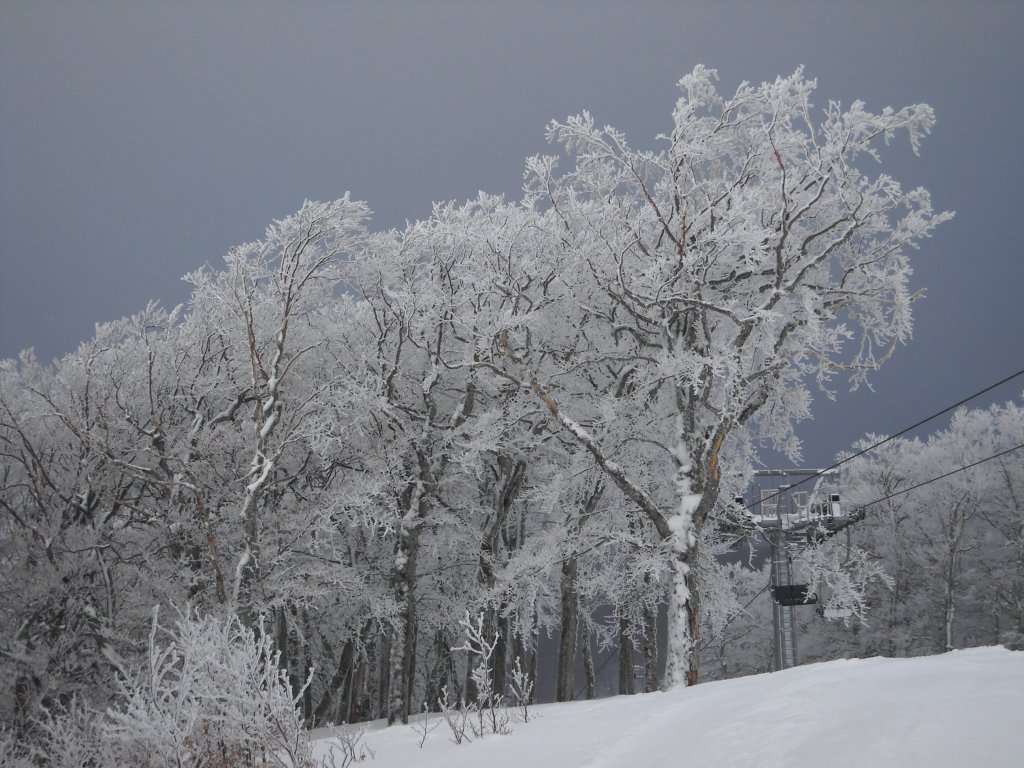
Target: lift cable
pixel 892 437
pixel 706 643
pixel 940 477
pixel 884 498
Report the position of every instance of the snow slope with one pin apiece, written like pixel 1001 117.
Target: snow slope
pixel 964 708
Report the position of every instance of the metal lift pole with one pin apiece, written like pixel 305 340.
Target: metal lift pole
pixel 789 521
pixel 783 616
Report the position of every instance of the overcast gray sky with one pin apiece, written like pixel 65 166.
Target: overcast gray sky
pixel 140 140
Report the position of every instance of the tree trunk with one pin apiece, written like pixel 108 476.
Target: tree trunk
pixel 499 661
pixel 681 664
pixel 650 646
pixel 535 645
pixel 283 647
pixel 588 664
pixel 949 610
pixel 567 635
pixel 626 654
pixel 510 476
pixel 403 654
pixel 698 479
pixel 383 673
pixel 334 692
pixel 570 599
pixel 444 674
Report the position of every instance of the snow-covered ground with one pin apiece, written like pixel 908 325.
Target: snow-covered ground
pixel 957 710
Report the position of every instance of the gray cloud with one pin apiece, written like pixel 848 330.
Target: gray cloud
pixel 141 140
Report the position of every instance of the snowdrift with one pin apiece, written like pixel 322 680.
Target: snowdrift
pixel 964 708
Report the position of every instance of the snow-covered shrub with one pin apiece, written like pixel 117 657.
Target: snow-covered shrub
pixel 1012 640
pixel 213 696
pixel 12 754
pixel 521 689
pixel 347 748
pixel 487 707
pixel 486 713
pixel 66 737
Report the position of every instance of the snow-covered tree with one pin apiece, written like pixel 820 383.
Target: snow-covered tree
pixel 945 525
pixel 525 409
pixel 702 289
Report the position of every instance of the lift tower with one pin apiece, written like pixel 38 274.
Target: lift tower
pixel 789 520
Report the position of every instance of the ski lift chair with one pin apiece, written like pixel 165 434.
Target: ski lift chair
pixel 794 594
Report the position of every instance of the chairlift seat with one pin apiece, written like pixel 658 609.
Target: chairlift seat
pixel 836 613
pixel 794 594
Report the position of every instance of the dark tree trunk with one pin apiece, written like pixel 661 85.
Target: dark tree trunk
pixel 499 661
pixel 334 695
pixel 509 477
pixel 403 654
pixel 570 600
pixel 567 636
pixel 535 661
pixel 444 675
pixel 626 654
pixel 383 673
pixel 650 647
pixel 588 664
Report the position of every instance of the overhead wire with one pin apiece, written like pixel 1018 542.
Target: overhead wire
pixel 940 477
pixel 882 442
pixel 902 432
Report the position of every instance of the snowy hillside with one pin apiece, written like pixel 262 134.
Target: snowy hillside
pixel 964 708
